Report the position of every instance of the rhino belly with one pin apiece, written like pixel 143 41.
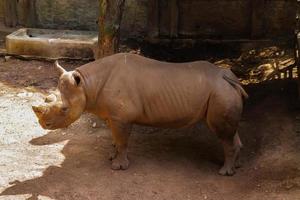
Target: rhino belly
pixel 173 110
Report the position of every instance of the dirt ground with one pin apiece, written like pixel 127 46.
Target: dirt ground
pixel 166 164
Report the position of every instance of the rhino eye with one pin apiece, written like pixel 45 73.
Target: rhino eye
pixel 64 109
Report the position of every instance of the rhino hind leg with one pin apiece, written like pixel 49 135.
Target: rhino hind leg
pixel 238 145
pixel 231 152
pixel 227 133
pixel 120 134
pixel 223 116
pixel 224 124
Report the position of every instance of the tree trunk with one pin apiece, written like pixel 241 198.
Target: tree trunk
pixel 257 19
pixel 10 13
pixel 110 17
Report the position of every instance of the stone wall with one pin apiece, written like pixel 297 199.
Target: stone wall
pixel 216 19
pixel 280 17
pixel 74 14
pixel 67 14
pixel 134 21
pixel 1 10
pixel 225 19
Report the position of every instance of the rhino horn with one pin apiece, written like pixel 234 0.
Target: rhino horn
pixel 38 110
pixel 59 67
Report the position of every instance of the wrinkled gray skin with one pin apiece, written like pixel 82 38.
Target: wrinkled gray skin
pixel 126 89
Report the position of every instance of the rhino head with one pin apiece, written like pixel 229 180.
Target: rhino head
pixel 60 112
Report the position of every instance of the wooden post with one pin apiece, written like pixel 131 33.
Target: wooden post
pixel 174 12
pixel 26 14
pixel 110 16
pixel 30 13
pixel 297 56
pixel 257 19
pixel 153 18
pixel 10 13
pixel 168 13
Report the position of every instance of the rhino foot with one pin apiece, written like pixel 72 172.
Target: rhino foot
pixel 227 171
pixel 120 163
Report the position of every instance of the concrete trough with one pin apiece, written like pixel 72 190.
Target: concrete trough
pixel 52 44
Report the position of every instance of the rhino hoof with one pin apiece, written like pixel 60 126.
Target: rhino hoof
pixel 118 164
pixel 227 171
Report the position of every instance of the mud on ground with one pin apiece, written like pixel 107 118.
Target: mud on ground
pixel 166 164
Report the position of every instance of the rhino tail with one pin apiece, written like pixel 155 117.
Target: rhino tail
pixel 236 84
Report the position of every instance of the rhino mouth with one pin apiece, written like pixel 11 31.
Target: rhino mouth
pixel 48 125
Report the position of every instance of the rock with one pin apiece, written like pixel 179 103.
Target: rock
pixel 7 58
pixel 94 125
pixel 289 186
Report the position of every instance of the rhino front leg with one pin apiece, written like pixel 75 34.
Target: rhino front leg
pixel 120 134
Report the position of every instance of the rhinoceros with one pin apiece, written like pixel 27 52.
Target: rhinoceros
pixel 125 89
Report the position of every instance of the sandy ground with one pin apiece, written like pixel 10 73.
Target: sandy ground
pixel 165 164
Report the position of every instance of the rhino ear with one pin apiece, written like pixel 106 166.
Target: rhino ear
pixel 77 78
pixel 59 67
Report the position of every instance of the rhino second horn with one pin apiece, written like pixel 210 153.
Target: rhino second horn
pixel 50 98
pixel 59 67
